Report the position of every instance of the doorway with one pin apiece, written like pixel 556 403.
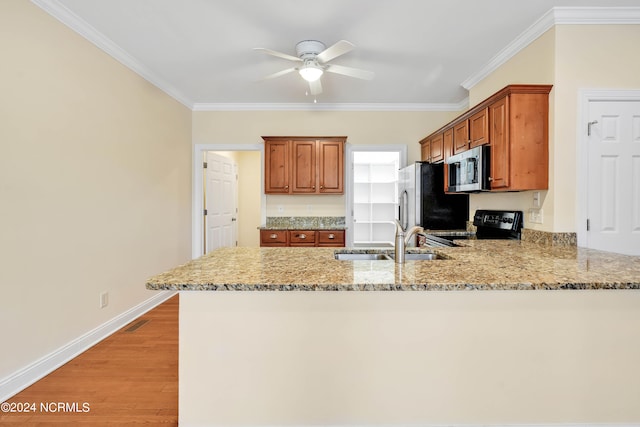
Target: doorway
pixel 372 202
pixel 251 200
pixel 610 172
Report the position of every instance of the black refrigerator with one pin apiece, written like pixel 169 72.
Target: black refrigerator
pixel 422 200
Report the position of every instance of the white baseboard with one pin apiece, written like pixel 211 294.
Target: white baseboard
pixel 28 375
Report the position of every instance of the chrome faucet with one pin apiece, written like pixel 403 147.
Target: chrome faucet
pixel 402 240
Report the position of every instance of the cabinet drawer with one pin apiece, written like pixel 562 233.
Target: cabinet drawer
pixel 302 237
pixel 331 238
pixel 273 237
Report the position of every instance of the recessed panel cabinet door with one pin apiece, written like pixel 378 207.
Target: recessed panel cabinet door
pixel 276 159
pixel 461 137
pixel 499 122
pixel 304 166
pixel 331 173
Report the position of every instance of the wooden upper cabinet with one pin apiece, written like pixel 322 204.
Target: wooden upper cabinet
pixel 425 150
pixel 437 148
pixel 499 163
pixel 331 166
pixel 447 143
pixel 304 165
pixel 514 122
pixel 479 128
pixel 432 149
pixel 276 159
pixel 519 137
pixel 461 137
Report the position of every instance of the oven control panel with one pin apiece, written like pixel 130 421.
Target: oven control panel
pixel 504 220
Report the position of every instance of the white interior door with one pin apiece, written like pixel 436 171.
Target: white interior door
pixel 614 176
pixel 220 202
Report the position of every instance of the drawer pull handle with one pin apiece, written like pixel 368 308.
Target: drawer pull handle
pixel 302 236
pixel 273 236
pixel 332 236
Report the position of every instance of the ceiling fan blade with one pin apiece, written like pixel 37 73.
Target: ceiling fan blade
pixel 351 72
pixel 279 73
pixel 339 48
pixel 315 87
pixel 278 54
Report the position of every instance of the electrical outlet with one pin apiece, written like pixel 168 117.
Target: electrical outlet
pixel 280 209
pixel 309 208
pixel 536 216
pixel 104 299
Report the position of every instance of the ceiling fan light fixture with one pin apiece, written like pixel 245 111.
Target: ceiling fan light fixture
pixel 310 72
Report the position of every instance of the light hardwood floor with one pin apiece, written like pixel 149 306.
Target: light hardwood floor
pixel 129 378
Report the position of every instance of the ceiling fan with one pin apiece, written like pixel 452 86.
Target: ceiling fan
pixel 314 57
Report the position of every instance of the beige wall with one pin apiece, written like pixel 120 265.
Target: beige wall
pixel 405 128
pixel 95 185
pixel 571 57
pixel 587 57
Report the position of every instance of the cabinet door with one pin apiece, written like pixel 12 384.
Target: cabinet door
pixel 425 150
pixel 500 156
pixel 303 162
pixel 461 137
pixel 437 148
pixel 331 167
pixel 447 143
pixel 479 128
pixel 276 167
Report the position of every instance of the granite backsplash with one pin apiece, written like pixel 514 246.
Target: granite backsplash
pixel 305 222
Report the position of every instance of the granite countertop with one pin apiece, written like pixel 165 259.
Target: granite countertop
pixel 319 227
pixel 475 265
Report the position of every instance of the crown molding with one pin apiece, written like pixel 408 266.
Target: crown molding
pixel 80 26
pixel 462 105
pixel 556 16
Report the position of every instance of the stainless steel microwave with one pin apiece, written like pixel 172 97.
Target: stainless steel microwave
pixel 469 170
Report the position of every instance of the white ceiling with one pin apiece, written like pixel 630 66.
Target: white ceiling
pixel 421 51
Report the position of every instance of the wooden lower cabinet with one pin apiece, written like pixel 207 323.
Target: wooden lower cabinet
pixel 302 238
pixel 274 238
pixel 331 238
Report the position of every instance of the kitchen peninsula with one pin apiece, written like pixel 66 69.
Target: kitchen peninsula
pixel 493 332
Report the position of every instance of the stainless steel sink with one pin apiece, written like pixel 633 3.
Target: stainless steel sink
pixel 420 257
pixel 348 256
pixel 361 257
